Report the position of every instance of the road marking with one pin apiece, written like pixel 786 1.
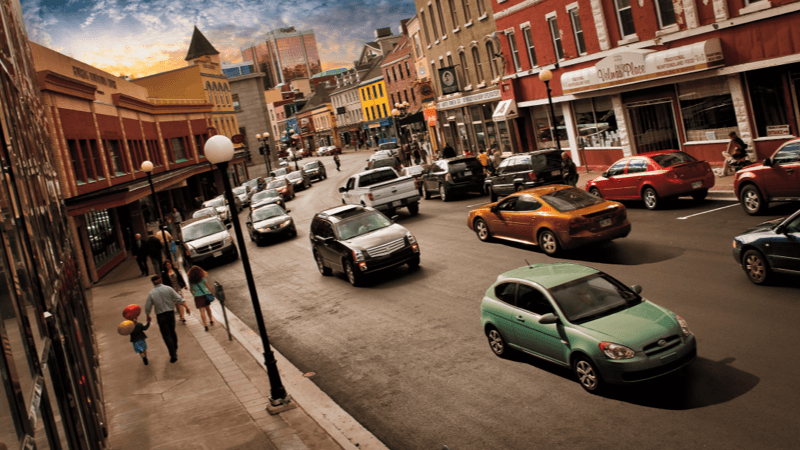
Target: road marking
pixel 477 204
pixel 706 212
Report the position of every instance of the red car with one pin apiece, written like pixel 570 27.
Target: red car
pixel 654 176
pixel 334 151
pixel 777 179
pixel 283 186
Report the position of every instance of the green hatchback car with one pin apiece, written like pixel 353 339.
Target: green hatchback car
pixel 582 318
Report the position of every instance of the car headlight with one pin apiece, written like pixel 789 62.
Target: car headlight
pixel 358 255
pixel 228 240
pixel 410 237
pixel 285 223
pixel 616 351
pixel 684 325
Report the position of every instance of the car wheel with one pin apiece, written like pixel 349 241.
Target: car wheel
pixel 596 192
pixel 519 188
pixel 482 230
pixel 294 231
pixel 251 237
pixel 443 193
pixel 425 193
pixel 755 266
pixel 700 195
pixel 650 198
pixel 414 263
pixel 325 271
pixel 497 343
pixel 587 374
pixel 352 276
pixel 548 242
pixel 492 195
pixel 413 209
pixel 752 201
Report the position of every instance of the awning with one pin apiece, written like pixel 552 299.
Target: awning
pixel 412 118
pixel 507 109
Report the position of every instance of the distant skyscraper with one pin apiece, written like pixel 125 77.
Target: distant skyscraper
pixel 285 54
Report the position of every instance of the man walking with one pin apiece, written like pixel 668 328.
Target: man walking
pixel 163 299
pixel 140 252
pixel 448 152
pixel 155 251
pixel 338 163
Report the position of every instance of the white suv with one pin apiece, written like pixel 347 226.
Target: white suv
pixel 205 239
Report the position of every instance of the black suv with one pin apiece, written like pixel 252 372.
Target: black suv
pixel 524 171
pixel 315 170
pixel 452 176
pixel 359 240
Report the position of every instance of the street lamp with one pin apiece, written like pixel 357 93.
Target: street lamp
pixel 219 151
pixel 399 112
pixel 147 167
pixel 264 149
pixel 546 76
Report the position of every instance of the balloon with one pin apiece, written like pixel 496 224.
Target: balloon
pixel 131 312
pixel 126 327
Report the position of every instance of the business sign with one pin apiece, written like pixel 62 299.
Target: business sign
pixel 778 130
pixel 494 94
pixel 426 91
pixel 448 80
pixel 633 66
pixel 429 112
pixel 237 138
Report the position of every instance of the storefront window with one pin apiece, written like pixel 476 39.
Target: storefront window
pixel 596 123
pixel 707 109
pixel 102 237
pixel 543 129
pixel 768 99
pixel 507 137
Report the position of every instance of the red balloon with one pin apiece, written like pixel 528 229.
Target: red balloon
pixel 131 312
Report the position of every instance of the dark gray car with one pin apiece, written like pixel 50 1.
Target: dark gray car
pixel 524 171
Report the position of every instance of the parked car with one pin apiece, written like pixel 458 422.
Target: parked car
pixel 283 162
pixel 300 180
pixel 390 161
pixel 284 186
pixel 381 189
pixel 266 197
pixel 359 240
pixel 270 222
pixel 334 150
pixel 305 153
pixel 283 171
pixel 653 177
pixel 323 151
pixel 553 217
pixel 390 146
pixel 220 203
pixel 256 183
pixel 581 318
pixel 206 212
pixel 244 193
pixel 773 246
pixel 206 239
pixel 315 170
pixel 524 171
pixel 416 173
pixel 452 176
pixel 776 179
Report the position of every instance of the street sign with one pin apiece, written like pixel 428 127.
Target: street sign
pixel 237 139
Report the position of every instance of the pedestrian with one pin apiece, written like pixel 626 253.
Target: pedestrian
pixel 169 244
pixel 448 151
pixel 468 152
pixel 138 338
pixel 140 252
pixel 155 250
pixel 497 156
pixel 338 163
pixel 172 278
pixel 201 289
pixel 417 156
pixel 569 171
pixel 483 158
pixel 177 218
pixel 737 158
pixel 163 299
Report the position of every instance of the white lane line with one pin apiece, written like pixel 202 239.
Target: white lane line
pixel 706 212
pixel 477 204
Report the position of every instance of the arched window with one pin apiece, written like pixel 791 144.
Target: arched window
pixel 477 64
pixel 208 86
pixel 465 68
pixel 492 59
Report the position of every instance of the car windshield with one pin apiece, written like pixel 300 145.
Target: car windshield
pixel 672 159
pixel 377 177
pixel 277 183
pixel 565 200
pixel 205 212
pixel 216 202
pixel 593 296
pixel 362 224
pixel 251 183
pixel 269 193
pixel 311 165
pixel 388 146
pixel 267 212
pixel 544 161
pixel 279 172
pixel 239 190
pixel 201 230
pixel 294 176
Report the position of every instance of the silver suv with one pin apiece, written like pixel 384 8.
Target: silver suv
pixel 206 239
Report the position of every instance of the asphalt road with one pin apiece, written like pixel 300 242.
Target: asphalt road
pixel 407 358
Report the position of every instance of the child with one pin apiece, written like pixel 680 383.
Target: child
pixel 138 338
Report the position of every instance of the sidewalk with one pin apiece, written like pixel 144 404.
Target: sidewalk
pixel 215 395
pixel 722 190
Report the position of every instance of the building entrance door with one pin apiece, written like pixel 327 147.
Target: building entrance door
pixel 653 126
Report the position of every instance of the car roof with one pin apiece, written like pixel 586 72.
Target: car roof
pixel 549 275
pixel 197 220
pixel 339 213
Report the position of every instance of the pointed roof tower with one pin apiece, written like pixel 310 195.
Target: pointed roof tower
pixel 199 46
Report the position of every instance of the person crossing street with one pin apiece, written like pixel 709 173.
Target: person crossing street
pixel 338 163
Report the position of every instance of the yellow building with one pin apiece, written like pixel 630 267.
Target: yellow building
pixel 378 122
pixel 201 79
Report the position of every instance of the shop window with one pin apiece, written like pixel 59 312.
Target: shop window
pixel 707 109
pixel 666 13
pixel 114 152
pixel 526 32
pixel 543 126
pixel 653 126
pixel 555 33
pixel 577 30
pixel 101 231
pixel 506 136
pixel 596 123
pixel 768 98
pixel 625 17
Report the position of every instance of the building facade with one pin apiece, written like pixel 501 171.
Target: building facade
pixel 429 140
pixel 630 77
pixel 253 117
pixel 284 55
pixel 403 87
pixel 347 106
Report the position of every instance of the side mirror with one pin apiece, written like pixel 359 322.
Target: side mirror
pixel 636 288
pixel 604 175
pixel 288 211
pixel 228 226
pixel 768 162
pixel 395 217
pixel 342 189
pixel 548 319
pixel 248 223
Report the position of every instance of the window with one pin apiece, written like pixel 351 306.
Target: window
pixel 408 69
pixel 417 47
pixel 467 15
pixel 707 109
pixel 596 123
pixel 512 43
pixel 433 22
pixel 413 96
pixel 385 114
pixel 114 149
pixel 625 17
pixel 453 14
pixel 374 91
pixel 787 155
pixel 526 33
pixel 556 34
pixel 543 126
pixel 666 13
pixel 405 93
pixel 400 69
pixel 236 106
pixel 392 96
pixel 477 61
pixel 637 166
pixel 441 17
pixel 363 95
pixel 178 149
pixel 77 162
pixel 533 300
pixel 199 142
pixel 617 169
pixel 767 97
pixel 506 292
pixel 395 74
pixel 578 31
pixel 368 118
pixel 526 202
pixel 380 90
pixel 425 29
pixel 481 9
pixel 374 116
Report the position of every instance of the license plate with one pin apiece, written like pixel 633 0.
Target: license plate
pixel 217 254
pixel 467 173
pixel 397 203
pixel 605 222
pixel 555 173
pixel 697 184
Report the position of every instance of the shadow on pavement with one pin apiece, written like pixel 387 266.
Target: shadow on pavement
pixel 626 251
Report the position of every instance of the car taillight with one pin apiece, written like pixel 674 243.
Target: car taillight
pixel 672 175
pixel 370 197
pixel 532 176
pixel 448 177
pixel 579 222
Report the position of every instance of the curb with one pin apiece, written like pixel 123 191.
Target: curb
pixel 727 196
pixel 342 428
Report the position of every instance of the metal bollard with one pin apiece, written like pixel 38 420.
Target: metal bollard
pixel 219 292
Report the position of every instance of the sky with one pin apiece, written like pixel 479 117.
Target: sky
pixel 143 37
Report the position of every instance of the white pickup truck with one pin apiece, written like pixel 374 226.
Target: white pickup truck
pixel 382 189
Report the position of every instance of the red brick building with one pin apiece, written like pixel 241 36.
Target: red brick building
pixel 636 76
pixel 400 78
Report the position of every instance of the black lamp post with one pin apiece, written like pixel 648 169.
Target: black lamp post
pixel 219 151
pixel 147 167
pixel 546 76
pixel 264 149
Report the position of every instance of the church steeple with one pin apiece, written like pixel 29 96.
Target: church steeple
pixel 200 46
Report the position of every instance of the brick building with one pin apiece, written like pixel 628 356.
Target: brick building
pixel 400 78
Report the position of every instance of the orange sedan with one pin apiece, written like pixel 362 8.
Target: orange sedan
pixel 553 217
